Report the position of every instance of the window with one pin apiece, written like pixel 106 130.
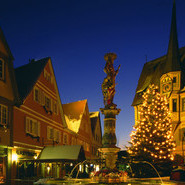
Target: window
pixel 182 134
pixel 3 115
pixel 174 104
pixel 57 136
pixel 65 139
pixel 48 76
pixel 1 70
pixel 32 127
pixel 47 103
pixel 37 95
pixel 174 79
pixel 73 141
pixel 50 133
pixel 55 108
pixel 183 104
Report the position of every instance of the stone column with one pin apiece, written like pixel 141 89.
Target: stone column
pixel 109 149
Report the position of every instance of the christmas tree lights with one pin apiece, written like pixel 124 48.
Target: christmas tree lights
pixel 152 135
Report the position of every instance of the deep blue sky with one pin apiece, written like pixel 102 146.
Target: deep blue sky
pixel 77 33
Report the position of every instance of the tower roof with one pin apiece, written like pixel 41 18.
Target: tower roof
pixel 173 62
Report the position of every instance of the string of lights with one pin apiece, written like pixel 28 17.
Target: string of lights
pixel 152 135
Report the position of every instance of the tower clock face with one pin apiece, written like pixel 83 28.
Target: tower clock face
pixel 167 86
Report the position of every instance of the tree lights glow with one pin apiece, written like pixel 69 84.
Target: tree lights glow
pixel 152 136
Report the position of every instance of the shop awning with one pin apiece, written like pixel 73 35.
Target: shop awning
pixel 65 152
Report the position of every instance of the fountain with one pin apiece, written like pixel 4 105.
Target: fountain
pixel 109 149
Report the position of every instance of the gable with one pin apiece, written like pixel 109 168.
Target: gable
pixel 74 113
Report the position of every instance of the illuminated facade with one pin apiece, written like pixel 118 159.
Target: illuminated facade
pixel 167 72
pixel 32 117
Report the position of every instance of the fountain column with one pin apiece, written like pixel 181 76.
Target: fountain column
pixel 109 149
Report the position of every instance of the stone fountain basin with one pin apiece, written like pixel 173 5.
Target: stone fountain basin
pixel 130 181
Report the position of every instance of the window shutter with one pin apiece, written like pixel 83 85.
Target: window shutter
pixel 38 131
pixel 42 98
pixel 34 94
pixel 59 136
pixel 55 135
pixel 27 125
pixel 34 127
pixel 39 96
pixel 51 108
pixel 48 132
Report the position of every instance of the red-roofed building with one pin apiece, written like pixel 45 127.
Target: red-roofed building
pixel 38 120
pixel 78 120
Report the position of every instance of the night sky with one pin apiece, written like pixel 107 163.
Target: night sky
pixel 76 34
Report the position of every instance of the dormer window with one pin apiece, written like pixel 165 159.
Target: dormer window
pixel 1 69
pixel 174 80
pixel 3 115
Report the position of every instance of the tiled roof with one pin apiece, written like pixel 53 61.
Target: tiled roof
pixel 27 75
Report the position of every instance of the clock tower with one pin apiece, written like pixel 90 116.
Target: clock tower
pixel 170 80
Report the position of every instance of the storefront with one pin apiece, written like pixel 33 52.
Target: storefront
pixel 4 164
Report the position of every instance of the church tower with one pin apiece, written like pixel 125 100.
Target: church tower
pixel 171 79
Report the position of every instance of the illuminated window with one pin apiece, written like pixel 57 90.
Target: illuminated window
pixel 174 105
pixel 3 115
pixel 32 127
pixel 1 70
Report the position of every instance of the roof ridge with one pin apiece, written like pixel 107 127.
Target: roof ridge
pixel 74 102
pixel 33 61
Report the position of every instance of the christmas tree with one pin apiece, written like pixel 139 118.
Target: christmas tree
pixel 152 138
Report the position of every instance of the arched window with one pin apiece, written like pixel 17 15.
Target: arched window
pixel 1 69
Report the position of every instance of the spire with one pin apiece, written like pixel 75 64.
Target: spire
pixel 173 62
